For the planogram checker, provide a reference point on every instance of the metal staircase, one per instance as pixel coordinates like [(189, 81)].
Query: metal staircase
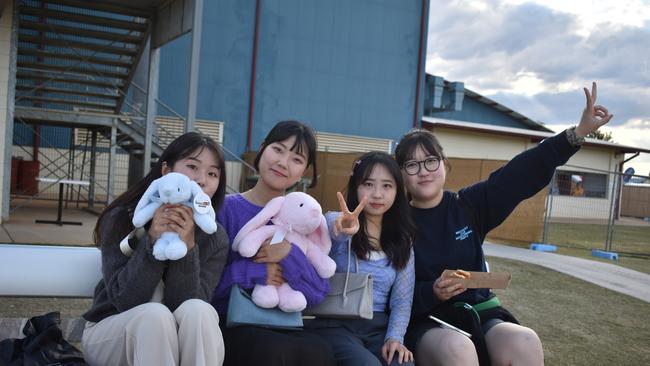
[(76, 60)]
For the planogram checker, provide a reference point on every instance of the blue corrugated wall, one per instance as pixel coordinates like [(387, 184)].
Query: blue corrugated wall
[(343, 66)]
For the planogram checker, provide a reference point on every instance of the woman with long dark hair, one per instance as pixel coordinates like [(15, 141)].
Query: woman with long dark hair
[(284, 157), (151, 312), (380, 233)]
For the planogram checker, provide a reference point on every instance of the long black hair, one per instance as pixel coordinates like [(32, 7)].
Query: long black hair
[(305, 137), (181, 148), (397, 229)]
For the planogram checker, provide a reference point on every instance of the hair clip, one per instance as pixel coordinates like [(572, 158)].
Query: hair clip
[(356, 162)]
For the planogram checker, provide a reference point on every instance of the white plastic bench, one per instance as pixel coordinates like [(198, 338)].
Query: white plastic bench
[(47, 271)]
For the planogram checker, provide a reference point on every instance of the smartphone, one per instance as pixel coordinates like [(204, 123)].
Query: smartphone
[(444, 324)]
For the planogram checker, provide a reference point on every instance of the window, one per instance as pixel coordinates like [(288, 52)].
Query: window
[(580, 184)]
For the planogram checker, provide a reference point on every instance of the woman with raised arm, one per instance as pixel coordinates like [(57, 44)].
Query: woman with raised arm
[(451, 228)]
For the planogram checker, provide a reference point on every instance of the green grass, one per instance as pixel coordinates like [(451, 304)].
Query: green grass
[(579, 323), (631, 239)]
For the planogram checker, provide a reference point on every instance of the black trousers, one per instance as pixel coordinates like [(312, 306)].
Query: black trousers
[(262, 346)]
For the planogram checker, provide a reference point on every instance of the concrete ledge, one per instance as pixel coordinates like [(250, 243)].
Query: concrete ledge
[(72, 328), (543, 247), (603, 254)]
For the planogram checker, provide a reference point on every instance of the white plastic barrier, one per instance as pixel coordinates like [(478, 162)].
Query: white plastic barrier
[(56, 271)]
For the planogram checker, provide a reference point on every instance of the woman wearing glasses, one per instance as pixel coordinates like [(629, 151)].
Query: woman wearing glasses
[(451, 228)]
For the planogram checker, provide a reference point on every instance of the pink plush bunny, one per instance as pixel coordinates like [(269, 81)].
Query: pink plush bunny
[(298, 218)]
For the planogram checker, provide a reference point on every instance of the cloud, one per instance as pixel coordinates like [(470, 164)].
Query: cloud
[(536, 60)]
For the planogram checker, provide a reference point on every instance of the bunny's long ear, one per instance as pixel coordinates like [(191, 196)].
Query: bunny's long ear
[(271, 209), (321, 236), (196, 189), (146, 196)]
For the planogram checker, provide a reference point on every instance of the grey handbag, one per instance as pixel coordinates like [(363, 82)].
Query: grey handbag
[(350, 295)]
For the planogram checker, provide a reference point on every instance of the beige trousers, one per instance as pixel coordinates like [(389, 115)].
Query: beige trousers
[(150, 334)]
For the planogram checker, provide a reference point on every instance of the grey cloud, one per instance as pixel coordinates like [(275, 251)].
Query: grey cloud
[(486, 50)]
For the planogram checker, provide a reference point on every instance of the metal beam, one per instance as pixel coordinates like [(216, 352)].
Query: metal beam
[(80, 93), (111, 164), (9, 121), (194, 65), (75, 57), (83, 18), (99, 47), (133, 68), (80, 32), (93, 168), (107, 107), (94, 5), (152, 108), (58, 78), (81, 70), (64, 118)]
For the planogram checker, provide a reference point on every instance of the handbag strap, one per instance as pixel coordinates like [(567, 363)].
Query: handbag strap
[(347, 274)]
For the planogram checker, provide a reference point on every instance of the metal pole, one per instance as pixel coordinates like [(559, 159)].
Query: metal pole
[(152, 93), (549, 208), (111, 164), (11, 10), (93, 167), (194, 65)]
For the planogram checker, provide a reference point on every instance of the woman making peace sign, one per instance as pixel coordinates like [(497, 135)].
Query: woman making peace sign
[(381, 233)]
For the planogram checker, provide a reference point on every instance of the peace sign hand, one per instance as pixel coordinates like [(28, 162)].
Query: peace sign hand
[(594, 116), (348, 222)]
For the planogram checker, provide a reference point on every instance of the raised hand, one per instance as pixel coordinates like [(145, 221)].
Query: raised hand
[(348, 222), (593, 116)]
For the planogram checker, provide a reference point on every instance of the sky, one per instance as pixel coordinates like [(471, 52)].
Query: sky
[(536, 56)]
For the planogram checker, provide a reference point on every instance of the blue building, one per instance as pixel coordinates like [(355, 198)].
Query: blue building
[(353, 70), (346, 67)]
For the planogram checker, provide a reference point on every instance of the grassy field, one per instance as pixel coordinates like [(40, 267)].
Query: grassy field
[(632, 239), (579, 323)]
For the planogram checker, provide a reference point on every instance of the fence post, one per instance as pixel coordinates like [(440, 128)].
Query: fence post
[(549, 208), (610, 221)]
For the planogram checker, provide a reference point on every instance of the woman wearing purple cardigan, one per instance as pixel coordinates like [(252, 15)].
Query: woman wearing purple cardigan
[(286, 153)]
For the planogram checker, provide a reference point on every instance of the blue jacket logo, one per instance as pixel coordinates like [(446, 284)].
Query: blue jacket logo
[(463, 233)]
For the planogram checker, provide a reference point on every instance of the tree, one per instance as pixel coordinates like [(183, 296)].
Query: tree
[(600, 135)]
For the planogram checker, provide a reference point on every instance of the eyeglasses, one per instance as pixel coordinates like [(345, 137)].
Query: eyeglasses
[(413, 167)]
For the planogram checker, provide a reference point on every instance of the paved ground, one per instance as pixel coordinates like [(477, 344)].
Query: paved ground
[(21, 228), (611, 276)]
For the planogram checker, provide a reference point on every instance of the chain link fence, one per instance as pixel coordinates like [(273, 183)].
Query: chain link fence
[(595, 209)]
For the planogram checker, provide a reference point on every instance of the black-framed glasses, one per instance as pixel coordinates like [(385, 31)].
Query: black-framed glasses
[(413, 167)]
